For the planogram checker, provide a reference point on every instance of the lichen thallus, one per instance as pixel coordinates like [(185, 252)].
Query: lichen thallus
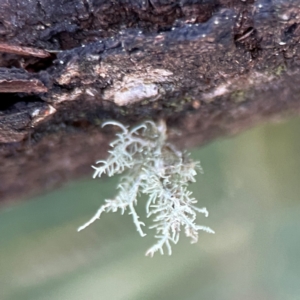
[(156, 168)]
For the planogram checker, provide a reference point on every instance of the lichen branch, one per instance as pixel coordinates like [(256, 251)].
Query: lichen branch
[(161, 171)]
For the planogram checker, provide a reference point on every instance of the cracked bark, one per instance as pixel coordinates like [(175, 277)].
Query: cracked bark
[(210, 68)]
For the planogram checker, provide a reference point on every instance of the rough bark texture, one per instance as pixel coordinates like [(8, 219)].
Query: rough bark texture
[(209, 67)]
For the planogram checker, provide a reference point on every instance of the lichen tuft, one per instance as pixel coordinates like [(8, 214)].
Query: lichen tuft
[(159, 170)]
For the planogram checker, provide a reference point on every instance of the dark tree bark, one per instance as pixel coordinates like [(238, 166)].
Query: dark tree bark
[(209, 67)]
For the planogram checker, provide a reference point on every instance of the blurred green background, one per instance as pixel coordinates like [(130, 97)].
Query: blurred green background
[(251, 187)]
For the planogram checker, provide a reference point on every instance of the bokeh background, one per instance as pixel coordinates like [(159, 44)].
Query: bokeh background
[(251, 187)]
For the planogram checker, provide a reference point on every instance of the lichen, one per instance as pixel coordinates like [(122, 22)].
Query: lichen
[(159, 170), (138, 87)]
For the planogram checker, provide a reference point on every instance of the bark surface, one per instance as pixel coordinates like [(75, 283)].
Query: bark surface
[(209, 67)]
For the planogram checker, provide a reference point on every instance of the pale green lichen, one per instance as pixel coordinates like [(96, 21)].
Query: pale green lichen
[(155, 168)]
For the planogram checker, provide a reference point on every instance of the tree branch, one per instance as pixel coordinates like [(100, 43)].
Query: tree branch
[(211, 68)]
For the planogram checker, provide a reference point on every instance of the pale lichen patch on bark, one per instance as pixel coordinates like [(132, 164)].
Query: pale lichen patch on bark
[(138, 87), (236, 84), (70, 72)]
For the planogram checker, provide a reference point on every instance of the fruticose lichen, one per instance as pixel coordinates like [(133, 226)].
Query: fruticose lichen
[(159, 170)]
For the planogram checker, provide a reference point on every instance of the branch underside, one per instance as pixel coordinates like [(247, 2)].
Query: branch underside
[(211, 68)]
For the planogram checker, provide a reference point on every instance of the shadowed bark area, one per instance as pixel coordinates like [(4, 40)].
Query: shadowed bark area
[(209, 67)]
